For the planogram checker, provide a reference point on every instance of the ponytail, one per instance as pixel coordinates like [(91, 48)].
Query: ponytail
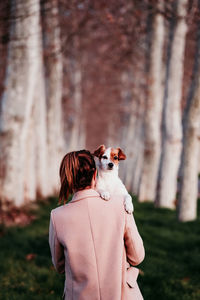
[(76, 171)]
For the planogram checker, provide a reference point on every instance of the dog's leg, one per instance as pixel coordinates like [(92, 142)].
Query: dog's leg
[(128, 204), (104, 194), (101, 189)]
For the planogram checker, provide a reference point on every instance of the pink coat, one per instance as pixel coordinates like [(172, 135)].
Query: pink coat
[(91, 240)]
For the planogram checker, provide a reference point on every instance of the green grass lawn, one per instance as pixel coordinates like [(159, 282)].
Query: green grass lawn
[(171, 269)]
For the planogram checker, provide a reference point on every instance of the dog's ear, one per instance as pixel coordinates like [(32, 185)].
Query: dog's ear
[(99, 151), (121, 154)]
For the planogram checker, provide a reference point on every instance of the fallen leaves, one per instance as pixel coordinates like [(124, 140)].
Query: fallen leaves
[(30, 256)]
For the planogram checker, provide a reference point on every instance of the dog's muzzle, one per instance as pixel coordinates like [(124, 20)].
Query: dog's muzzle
[(110, 165)]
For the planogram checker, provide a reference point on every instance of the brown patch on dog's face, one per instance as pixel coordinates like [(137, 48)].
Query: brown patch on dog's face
[(99, 151), (114, 157), (121, 154), (117, 154)]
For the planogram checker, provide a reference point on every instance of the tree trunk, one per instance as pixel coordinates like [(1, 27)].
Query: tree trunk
[(132, 131), (43, 185), (187, 204), (189, 178), (30, 163), (77, 99), (75, 135), (127, 127), (152, 144), (54, 77), (172, 143), (18, 98), (135, 172)]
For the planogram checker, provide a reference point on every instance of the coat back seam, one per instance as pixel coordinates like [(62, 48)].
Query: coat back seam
[(94, 250)]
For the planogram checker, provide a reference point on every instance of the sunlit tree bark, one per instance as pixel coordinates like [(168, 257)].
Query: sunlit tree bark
[(172, 115), (153, 113), (77, 99), (75, 124), (188, 189), (43, 186), (17, 99), (30, 163), (189, 178), (54, 74)]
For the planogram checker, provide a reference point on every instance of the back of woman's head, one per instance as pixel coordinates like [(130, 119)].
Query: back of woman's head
[(76, 171)]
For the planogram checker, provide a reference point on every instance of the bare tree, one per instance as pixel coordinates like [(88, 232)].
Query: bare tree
[(153, 112), (43, 185), (54, 87), (74, 118), (75, 133), (172, 144), (17, 100), (30, 163), (189, 178), (187, 204), (131, 132)]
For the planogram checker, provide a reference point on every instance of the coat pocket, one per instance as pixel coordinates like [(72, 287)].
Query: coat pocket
[(131, 276)]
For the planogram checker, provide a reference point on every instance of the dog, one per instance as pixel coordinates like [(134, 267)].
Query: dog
[(108, 182)]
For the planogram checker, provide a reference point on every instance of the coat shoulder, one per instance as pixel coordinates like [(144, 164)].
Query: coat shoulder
[(58, 210)]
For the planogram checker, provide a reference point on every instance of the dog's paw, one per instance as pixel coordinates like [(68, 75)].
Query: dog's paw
[(105, 195), (128, 204)]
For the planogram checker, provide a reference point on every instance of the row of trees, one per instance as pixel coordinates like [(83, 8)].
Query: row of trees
[(171, 134), (31, 140), (81, 73)]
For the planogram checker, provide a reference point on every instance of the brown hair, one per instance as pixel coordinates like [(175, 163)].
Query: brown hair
[(76, 171)]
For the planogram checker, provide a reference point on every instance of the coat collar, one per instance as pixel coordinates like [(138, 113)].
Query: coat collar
[(86, 193)]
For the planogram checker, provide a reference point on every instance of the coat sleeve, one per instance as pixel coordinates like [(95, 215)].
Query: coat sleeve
[(133, 242), (57, 250)]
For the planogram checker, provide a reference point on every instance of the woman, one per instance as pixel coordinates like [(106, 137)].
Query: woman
[(93, 241)]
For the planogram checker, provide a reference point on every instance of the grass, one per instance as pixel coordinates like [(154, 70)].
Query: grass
[(172, 264), (171, 269)]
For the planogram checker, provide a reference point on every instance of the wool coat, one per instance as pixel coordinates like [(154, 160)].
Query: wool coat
[(96, 244)]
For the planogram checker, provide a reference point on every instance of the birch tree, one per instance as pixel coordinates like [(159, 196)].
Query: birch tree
[(153, 113), (172, 143), (18, 96), (54, 84)]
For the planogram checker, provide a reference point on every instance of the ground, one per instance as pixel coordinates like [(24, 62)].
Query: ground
[(171, 269)]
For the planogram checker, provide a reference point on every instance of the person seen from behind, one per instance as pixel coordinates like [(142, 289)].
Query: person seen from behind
[(92, 240)]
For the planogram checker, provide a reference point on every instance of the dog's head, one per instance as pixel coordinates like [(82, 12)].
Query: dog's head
[(109, 157)]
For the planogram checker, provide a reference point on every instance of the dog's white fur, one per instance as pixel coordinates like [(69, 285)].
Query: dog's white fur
[(108, 181)]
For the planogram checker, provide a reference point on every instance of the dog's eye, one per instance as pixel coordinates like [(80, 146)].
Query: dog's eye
[(115, 157), (104, 157)]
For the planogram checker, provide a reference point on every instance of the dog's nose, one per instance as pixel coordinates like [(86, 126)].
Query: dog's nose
[(110, 165)]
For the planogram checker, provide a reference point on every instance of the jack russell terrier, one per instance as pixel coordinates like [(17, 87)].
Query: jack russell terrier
[(108, 180)]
